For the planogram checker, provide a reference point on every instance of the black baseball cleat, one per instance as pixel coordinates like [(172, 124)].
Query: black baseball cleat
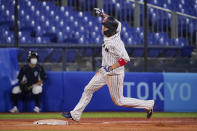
[(67, 115), (149, 113)]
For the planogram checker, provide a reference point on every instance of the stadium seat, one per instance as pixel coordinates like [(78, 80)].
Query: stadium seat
[(44, 22), (43, 54), (70, 55), (170, 52), (186, 51), (153, 52), (139, 52), (39, 40), (56, 55)]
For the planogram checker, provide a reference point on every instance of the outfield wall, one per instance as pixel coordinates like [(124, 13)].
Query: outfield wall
[(174, 92), (62, 90)]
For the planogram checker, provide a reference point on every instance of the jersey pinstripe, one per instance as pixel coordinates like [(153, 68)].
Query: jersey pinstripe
[(113, 49)]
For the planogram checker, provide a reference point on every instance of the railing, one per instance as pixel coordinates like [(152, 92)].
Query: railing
[(88, 58)]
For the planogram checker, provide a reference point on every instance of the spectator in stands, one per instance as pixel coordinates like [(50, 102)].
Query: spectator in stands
[(30, 80)]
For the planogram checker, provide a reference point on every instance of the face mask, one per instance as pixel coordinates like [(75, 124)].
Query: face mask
[(33, 61)]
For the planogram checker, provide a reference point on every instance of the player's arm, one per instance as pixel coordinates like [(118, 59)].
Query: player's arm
[(39, 82), (42, 76), (105, 15), (119, 63), (20, 76), (100, 12), (123, 57), (23, 84)]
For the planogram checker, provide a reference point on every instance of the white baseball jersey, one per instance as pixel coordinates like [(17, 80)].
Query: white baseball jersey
[(112, 49)]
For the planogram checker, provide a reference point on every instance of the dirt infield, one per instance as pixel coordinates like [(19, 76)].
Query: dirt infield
[(107, 124)]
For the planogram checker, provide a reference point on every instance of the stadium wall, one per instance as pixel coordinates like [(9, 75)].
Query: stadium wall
[(173, 92)]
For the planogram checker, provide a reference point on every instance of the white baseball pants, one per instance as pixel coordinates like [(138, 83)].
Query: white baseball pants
[(36, 89), (115, 85)]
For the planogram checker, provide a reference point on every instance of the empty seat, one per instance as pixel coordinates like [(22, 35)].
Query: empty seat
[(70, 55)]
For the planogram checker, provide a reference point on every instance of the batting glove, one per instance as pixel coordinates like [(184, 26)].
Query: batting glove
[(99, 12), (107, 68)]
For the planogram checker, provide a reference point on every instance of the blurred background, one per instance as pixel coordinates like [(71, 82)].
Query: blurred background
[(67, 35)]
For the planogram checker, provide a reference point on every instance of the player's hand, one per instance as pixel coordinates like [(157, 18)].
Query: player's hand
[(30, 87), (25, 88), (107, 68), (99, 12)]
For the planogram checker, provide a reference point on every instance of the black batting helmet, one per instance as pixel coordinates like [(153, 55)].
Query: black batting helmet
[(32, 54), (111, 24)]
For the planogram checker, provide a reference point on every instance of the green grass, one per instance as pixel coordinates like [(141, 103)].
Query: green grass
[(137, 114), (98, 115)]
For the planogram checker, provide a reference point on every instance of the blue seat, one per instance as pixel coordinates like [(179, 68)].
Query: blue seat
[(23, 54), (170, 53), (39, 31), (7, 36), (60, 37), (139, 52), (154, 52), (88, 52), (81, 27), (130, 41), (25, 39), (38, 40), (70, 55), (186, 51), (56, 55), (43, 53), (181, 42), (70, 39), (10, 40), (151, 38), (46, 39)]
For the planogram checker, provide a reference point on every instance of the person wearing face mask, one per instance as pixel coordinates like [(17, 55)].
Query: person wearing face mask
[(30, 80)]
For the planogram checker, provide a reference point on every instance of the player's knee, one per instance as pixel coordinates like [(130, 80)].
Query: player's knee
[(16, 90), (36, 89), (88, 90), (118, 103)]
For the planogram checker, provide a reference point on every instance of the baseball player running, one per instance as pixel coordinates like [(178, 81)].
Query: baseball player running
[(114, 58)]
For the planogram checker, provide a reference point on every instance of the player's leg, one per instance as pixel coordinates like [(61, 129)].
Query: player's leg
[(115, 85), (37, 90), (15, 94), (95, 83)]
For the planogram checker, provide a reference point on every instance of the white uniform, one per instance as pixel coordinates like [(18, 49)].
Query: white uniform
[(36, 89), (112, 50)]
